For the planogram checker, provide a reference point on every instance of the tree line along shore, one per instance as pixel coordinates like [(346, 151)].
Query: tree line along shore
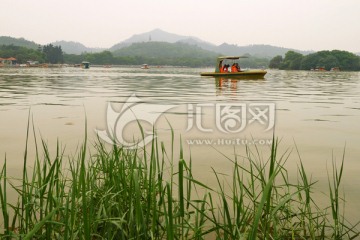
[(53, 56), (335, 60)]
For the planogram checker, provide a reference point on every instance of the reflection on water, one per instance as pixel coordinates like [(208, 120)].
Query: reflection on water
[(230, 85), (319, 111)]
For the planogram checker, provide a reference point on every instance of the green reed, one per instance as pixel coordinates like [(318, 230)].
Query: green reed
[(146, 193)]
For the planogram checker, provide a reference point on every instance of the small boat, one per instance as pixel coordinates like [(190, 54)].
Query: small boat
[(145, 66), (335, 69), (85, 65), (222, 69), (320, 69)]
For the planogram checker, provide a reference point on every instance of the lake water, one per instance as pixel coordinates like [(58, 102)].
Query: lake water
[(319, 112)]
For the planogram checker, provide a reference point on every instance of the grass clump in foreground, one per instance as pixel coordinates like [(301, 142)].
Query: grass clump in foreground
[(147, 194)]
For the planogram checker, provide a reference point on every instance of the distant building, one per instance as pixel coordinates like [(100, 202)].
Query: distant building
[(12, 60), (7, 61)]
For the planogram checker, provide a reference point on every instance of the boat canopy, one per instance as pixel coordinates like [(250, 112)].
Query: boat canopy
[(85, 64), (222, 58), (231, 57)]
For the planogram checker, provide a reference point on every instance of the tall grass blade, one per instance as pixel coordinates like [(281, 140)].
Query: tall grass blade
[(40, 224)]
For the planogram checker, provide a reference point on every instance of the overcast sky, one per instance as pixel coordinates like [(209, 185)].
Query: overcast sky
[(304, 24)]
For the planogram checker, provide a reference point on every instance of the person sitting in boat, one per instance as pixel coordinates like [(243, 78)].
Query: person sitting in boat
[(221, 67), (234, 68), (238, 67), (226, 68)]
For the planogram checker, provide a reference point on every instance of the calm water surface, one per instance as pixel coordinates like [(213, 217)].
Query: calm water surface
[(317, 111)]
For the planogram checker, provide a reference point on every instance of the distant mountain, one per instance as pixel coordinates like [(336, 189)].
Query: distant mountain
[(267, 51), (157, 35), (200, 43), (175, 54), (71, 47), (68, 47), (18, 42), (164, 50)]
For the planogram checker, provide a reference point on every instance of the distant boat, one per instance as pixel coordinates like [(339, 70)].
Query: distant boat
[(85, 65), (320, 69), (144, 66), (223, 65), (335, 69)]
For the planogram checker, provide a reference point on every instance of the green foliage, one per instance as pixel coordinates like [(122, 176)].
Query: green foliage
[(73, 58), (344, 60), (53, 54), (159, 53), (153, 53), (118, 193), (276, 62), (22, 54), (292, 61), (104, 57), (164, 50), (310, 61), (162, 53)]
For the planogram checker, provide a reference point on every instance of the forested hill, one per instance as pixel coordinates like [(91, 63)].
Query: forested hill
[(71, 47), (164, 50), (258, 50), (158, 35), (21, 42), (164, 53), (345, 61)]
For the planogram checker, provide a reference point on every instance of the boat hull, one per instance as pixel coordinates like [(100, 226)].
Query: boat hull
[(250, 73)]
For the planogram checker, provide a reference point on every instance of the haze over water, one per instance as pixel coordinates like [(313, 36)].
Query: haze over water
[(317, 111)]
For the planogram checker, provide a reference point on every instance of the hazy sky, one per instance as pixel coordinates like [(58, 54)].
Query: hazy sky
[(304, 24)]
